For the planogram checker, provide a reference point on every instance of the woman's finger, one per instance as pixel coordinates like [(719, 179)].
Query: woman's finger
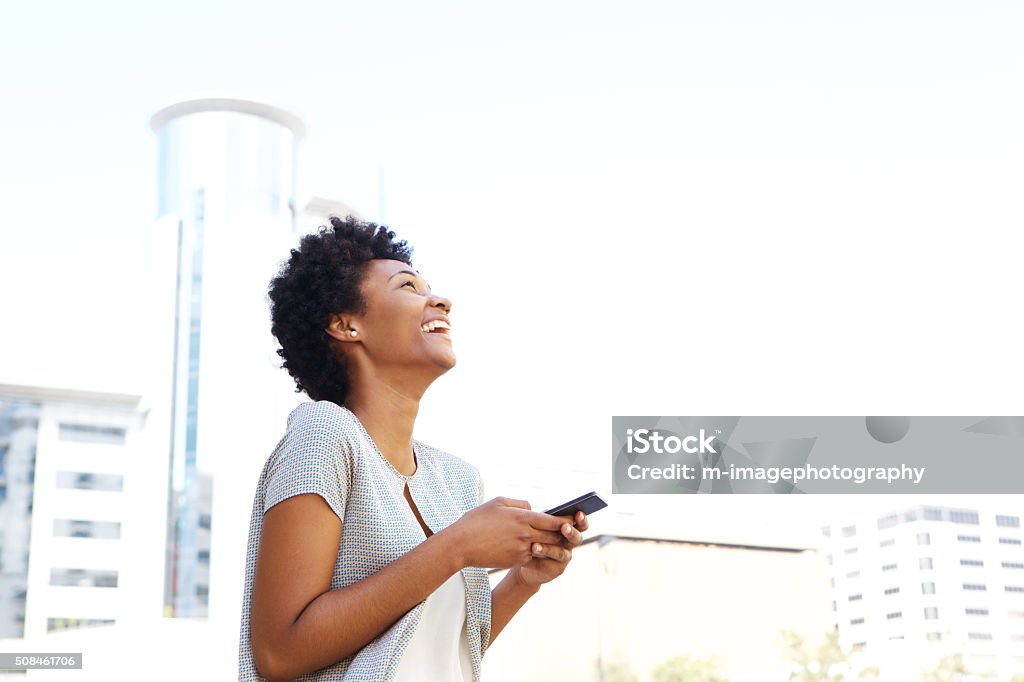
[(581, 521), (572, 535), (552, 552)]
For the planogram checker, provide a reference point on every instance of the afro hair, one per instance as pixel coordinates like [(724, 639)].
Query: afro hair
[(321, 278)]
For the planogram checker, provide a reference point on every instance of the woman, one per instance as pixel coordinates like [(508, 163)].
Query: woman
[(367, 547)]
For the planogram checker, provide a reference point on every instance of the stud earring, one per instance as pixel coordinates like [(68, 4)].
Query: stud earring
[(352, 332)]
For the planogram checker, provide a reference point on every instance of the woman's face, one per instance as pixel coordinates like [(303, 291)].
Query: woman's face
[(398, 305)]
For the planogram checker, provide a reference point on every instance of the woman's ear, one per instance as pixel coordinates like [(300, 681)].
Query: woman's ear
[(343, 328)]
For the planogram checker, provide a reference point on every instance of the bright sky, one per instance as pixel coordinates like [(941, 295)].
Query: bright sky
[(637, 208)]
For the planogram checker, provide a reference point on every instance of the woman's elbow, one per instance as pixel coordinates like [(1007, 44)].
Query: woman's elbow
[(269, 663)]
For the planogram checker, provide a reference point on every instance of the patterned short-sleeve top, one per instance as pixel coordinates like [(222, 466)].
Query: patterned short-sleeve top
[(327, 451)]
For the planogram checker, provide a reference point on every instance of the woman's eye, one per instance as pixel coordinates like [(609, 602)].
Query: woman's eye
[(410, 282)]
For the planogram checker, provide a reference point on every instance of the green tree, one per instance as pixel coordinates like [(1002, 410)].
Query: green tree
[(618, 671), (949, 669), (825, 663), (688, 669)]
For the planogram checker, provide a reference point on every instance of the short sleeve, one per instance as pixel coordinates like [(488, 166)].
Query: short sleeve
[(314, 457), (479, 488)]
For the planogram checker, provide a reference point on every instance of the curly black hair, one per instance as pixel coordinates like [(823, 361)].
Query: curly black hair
[(322, 277)]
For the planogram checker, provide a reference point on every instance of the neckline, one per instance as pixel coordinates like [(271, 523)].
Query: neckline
[(417, 459)]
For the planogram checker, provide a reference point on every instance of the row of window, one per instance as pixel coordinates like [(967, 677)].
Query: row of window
[(91, 433), (90, 481), (56, 624), (84, 528), (926, 539), (977, 538), (927, 563), (929, 588), (962, 516)]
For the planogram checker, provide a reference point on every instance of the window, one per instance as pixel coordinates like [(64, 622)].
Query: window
[(889, 567), (968, 538), (1009, 541), (979, 635), (859, 645), (853, 574), (89, 481), (925, 563), (1008, 521), (91, 433), (84, 528), (82, 577), (888, 521), (203, 555), (856, 621), (1012, 613), (855, 597), (976, 612), (927, 588), (1012, 564), (56, 624), (826, 531), (894, 615), (934, 636), (970, 517), (972, 562), (849, 531), (924, 539), (931, 613), (892, 590), (850, 550), (974, 587), (887, 543), (932, 514), (1014, 588)]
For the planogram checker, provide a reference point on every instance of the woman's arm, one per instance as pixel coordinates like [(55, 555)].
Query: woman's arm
[(298, 623)]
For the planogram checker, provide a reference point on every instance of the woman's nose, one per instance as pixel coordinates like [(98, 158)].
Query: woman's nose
[(442, 302)]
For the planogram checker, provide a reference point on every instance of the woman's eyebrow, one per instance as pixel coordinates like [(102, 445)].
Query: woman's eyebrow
[(414, 274)]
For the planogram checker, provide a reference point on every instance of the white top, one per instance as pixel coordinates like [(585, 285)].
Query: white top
[(439, 649)]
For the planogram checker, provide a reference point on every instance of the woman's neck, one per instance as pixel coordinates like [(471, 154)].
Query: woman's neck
[(388, 415)]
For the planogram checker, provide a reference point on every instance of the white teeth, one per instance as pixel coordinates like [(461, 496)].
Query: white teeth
[(434, 324)]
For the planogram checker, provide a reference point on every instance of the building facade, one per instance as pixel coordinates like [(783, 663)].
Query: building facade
[(226, 218), (77, 511), (927, 581)]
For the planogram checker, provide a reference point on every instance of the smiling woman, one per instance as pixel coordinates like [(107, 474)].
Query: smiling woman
[(367, 547)]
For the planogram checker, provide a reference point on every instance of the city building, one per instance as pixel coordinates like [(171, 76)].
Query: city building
[(627, 604), (79, 499), (927, 581), (226, 218)]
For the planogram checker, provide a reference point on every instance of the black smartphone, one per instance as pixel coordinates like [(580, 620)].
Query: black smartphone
[(588, 503)]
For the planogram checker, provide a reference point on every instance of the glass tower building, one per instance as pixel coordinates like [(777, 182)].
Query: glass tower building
[(226, 215)]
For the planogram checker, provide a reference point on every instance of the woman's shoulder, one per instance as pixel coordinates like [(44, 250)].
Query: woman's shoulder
[(319, 427), (458, 474)]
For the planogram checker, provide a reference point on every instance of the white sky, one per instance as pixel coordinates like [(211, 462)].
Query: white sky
[(677, 208)]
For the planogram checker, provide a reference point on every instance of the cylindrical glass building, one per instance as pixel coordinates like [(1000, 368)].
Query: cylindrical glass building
[(227, 190)]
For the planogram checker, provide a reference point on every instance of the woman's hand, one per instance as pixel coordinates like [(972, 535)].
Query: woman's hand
[(549, 561), (500, 533)]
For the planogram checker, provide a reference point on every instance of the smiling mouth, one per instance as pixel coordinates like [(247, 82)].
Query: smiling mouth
[(436, 327)]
